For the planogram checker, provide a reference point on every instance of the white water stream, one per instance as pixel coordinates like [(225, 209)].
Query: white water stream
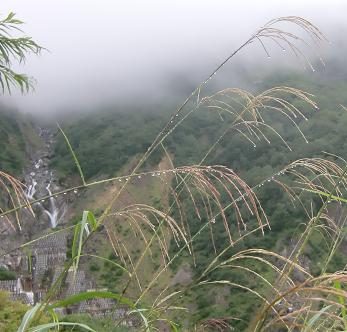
[(40, 182), (54, 211)]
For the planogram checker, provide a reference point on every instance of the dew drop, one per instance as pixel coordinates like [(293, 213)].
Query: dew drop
[(65, 193), (269, 57), (283, 50), (43, 201), (139, 176), (75, 191), (213, 221)]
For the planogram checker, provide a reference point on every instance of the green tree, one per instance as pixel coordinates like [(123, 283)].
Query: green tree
[(14, 49)]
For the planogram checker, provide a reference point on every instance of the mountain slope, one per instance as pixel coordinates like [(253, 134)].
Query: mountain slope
[(17, 138)]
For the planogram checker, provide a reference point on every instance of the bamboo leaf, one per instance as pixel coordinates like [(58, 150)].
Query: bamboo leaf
[(91, 295), (29, 315), (49, 326)]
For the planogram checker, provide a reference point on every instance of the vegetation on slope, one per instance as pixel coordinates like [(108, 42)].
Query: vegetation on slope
[(17, 135), (187, 145), (268, 290)]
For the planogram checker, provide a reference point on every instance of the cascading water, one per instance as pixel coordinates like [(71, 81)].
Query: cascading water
[(32, 187), (19, 287), (54, 211), (30, 297), (41, 181), (19, 290)]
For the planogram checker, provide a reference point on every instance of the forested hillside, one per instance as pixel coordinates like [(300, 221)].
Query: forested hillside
[(106, 140), (17, 138), (167, 181)]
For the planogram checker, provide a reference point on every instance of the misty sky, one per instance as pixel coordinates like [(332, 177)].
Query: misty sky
[(107, 51)]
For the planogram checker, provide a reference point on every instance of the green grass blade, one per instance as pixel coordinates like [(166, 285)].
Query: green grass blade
[(49, 326), (337, 285), (313, 320), (109, 261), (78, 165), (78, 239), (29, 315), (93, 222), (91, 295), (322, 193)]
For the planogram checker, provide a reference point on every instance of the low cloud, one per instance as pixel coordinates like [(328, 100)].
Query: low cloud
[(110, 51)]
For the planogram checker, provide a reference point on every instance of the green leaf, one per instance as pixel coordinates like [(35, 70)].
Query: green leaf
[(29, 315), (93, 222), (337, 286), (91, 295), (78, 239), (322, 193), (49, 326)]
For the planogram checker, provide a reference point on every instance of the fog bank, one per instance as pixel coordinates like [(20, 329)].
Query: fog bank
[(111, 51)]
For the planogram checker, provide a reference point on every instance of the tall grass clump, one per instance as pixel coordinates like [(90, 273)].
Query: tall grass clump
[(287, 296)]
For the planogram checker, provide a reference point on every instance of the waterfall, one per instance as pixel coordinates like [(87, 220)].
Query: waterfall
[(19, 287), (31, 189), (41, 180), (19, 290), (30, 297), (53, 214)]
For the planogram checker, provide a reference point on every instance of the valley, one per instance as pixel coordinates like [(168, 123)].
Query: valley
[(39, 264)]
